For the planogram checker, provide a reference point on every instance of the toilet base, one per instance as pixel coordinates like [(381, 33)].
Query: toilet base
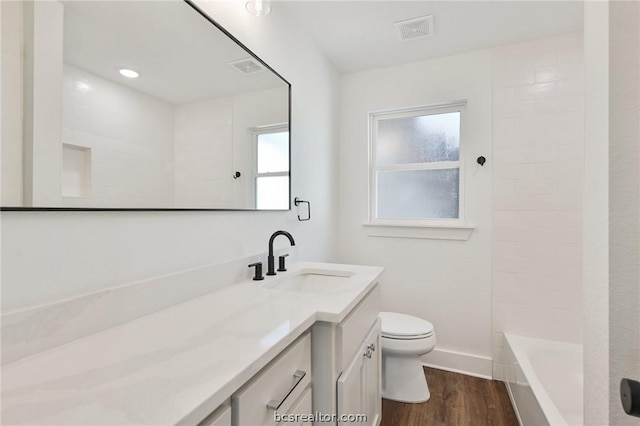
[(403, 379)]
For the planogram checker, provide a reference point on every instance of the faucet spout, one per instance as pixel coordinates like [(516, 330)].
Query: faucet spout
[(270, 259)]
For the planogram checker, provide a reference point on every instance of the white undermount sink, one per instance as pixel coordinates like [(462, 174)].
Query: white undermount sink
[(314, 281)]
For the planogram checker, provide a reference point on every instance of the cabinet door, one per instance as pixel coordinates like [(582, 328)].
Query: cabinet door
[(359, 386), (373, 388), (351, 387)]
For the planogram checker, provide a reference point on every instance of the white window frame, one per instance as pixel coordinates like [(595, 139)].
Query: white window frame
[(264, 130), (373, 221)]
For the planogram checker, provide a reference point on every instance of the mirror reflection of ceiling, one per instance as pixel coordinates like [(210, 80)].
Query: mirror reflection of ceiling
[(189, 68)]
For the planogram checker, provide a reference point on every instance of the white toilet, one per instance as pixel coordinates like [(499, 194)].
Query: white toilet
[(404, 340)]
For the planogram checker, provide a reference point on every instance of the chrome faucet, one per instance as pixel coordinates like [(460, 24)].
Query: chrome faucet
[(270, 259)]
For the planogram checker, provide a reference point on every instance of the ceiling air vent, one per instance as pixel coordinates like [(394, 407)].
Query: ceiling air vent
[(247, 66), (415, 29)]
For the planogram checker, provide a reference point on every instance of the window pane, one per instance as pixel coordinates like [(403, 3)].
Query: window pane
[(273, 152), (272, 193), (422, 139), (418, 194)]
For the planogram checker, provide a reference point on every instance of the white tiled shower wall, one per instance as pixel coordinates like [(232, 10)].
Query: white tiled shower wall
[(152, 153), (538, 155), (130, 135)]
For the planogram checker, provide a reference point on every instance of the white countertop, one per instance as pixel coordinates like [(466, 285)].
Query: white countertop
[(176, 365)]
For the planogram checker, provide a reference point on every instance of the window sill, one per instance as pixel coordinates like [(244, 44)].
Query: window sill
[(458, 232)]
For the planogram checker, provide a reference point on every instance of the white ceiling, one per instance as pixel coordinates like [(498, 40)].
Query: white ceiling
[(103, 36), (180, 55), (360, 35)]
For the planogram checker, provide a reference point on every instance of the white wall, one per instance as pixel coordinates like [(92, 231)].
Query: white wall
[(48, 256), (596, 215), (612, 208), (445, 282), (538, 153), (624, 201), (11, 109), (130, 135), (42, 111)]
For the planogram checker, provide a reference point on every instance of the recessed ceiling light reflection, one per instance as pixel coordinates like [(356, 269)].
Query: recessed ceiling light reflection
[(129, 73), (258, 7)]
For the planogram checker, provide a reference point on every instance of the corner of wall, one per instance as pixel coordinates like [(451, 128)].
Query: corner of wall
[(596, 215)]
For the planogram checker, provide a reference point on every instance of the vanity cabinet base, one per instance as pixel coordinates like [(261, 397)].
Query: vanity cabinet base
[(347, 365)]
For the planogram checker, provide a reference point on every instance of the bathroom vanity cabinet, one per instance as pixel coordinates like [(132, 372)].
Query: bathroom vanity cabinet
[(348, 357), (306, 342), (342, 361)]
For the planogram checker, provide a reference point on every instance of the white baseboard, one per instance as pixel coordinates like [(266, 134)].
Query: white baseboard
[(458, 362)]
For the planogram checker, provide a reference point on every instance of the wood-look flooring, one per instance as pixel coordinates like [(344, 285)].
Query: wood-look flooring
[(456, 399)]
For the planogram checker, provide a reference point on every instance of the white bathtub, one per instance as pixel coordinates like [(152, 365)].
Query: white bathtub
[(545, 380)]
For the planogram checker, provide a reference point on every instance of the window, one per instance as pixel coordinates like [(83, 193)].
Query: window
[(272, 167), (415, 166)]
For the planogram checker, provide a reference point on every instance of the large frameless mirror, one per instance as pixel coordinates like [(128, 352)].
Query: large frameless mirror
[(137, 105)]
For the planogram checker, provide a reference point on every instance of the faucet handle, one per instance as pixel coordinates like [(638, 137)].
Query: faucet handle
[(281, 264), (258, 275)]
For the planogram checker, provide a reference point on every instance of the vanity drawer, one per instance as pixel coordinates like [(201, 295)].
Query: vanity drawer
[(279, 383), (354, 328), (220, 417), (303, 406)]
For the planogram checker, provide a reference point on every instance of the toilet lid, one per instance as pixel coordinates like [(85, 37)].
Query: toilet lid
[(395, 324)]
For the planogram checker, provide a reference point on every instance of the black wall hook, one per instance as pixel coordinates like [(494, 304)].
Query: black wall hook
[(236, 175), (481, 160)]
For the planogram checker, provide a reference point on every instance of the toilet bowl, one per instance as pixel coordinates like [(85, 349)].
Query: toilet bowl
[(405, 339)]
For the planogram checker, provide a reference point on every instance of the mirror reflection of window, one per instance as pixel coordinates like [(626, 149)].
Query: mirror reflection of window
[(272, 167)]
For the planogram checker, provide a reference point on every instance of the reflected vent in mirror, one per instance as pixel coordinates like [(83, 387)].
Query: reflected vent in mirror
[(247, 66), (415, 29)]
